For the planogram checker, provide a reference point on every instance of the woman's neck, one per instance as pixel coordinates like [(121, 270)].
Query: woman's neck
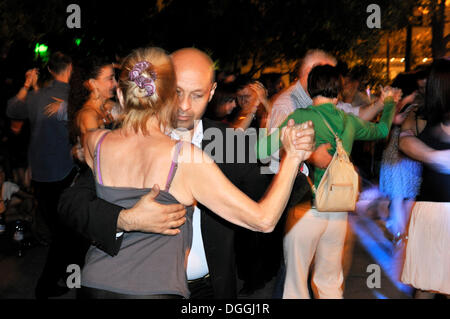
[(153, 127), (318, 100), (97, 103)]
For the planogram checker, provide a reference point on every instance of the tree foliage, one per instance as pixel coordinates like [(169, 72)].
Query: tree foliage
[(234, 32)]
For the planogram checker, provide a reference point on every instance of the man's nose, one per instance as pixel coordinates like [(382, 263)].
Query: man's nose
[(184, 103)]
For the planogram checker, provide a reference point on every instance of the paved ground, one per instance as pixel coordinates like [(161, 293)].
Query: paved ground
[(366, 245)]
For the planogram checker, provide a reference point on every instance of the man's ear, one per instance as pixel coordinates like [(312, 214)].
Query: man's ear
[(212, 91), (69, 71)]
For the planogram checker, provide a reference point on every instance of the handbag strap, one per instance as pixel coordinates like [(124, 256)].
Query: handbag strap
[(338, 142), (326, 123)]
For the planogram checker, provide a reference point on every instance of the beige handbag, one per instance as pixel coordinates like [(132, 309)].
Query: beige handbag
[(339, 187)]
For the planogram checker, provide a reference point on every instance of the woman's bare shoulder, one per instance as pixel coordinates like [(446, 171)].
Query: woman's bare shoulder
[(93, 136), (191, 154)]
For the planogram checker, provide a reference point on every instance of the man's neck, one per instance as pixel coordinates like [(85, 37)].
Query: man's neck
[(61, 78), (185, 135)]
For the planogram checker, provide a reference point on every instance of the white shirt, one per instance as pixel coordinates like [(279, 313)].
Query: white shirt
[(197, 266), (8, 189)]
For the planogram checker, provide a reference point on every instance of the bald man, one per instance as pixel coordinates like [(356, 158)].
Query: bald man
[(211, 263), (296, 96)]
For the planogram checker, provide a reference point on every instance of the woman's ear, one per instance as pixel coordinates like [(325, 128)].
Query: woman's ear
[(120, 97), (91, 84)]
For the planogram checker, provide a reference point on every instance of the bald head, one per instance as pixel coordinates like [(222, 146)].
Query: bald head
[(194, 71), (311, 59), (194, 60)]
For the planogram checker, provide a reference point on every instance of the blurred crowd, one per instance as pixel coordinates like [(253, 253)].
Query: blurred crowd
[(41, 153)]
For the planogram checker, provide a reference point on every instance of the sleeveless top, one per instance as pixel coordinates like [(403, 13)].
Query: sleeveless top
[(147, 263), (435, 186)]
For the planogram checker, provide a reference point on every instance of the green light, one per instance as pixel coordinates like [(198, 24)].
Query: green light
[(43, 48), (40, 48), (78, 41)]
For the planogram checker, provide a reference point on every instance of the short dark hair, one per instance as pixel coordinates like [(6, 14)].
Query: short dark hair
[(405, 81), (358, 73), (324, 80), (59, 62), (225, 92)]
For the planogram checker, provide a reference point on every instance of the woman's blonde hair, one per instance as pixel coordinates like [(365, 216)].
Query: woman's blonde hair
[(139, 106)]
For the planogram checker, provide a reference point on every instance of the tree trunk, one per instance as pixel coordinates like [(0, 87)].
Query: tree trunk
[(438, 45), (388, 72), (408, 48)]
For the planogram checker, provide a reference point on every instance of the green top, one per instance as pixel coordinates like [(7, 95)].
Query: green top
[(346, 126)]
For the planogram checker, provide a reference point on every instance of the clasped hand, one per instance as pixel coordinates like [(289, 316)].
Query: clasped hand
[(299, 139)]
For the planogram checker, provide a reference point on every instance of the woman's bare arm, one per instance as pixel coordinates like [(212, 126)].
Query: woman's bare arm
[(418, 150), (208, 185)]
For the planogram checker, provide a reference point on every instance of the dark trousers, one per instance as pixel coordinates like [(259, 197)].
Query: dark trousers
[(47, 195), (93, 293), (201, 288), (66, 246)]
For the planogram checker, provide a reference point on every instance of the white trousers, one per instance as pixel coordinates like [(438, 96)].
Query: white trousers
[(314, 235)]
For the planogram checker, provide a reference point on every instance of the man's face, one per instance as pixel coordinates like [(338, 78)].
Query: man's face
[(195, 89), (349, 89), (246, 97)]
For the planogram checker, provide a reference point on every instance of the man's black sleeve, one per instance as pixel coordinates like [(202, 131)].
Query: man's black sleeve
[(96, 219)]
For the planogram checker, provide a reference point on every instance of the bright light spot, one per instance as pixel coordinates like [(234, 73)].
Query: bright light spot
[(78, 41), (40, 48), (43, 48), (425, 60), (393, 59), (402, 60)]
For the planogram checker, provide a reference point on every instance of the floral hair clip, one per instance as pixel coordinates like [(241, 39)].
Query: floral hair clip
[(143, 82)]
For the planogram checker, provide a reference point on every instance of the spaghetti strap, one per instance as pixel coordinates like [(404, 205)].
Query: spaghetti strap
[(174, 165), (97, 172)]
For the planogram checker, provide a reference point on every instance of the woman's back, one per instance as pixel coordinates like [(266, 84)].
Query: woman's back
[(147, 263), (134, 160)]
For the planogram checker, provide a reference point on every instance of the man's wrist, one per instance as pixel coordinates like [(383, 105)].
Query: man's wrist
[(294, 158), (123, 221)]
